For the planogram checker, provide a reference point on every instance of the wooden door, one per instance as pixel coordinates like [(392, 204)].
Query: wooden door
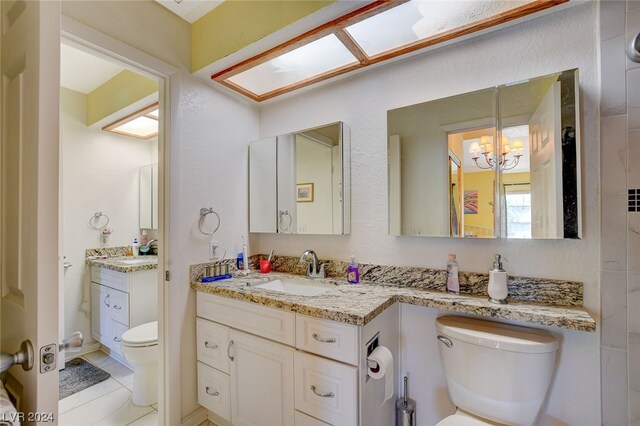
[(30, 44), (546, 167), (261, 381)]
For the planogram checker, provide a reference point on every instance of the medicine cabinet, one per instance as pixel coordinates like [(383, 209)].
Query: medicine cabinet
[(300, 183), (149, 196), (501, 162)]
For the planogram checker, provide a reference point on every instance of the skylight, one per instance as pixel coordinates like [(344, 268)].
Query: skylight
[(142, 124), (374, 33)]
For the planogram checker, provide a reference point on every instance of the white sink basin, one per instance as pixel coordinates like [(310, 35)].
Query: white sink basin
[(296, 287), (134, 261)]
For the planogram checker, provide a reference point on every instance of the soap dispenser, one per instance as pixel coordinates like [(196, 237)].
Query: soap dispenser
[(498, 290)]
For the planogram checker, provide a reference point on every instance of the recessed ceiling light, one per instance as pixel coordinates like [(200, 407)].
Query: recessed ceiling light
[(142, 124)]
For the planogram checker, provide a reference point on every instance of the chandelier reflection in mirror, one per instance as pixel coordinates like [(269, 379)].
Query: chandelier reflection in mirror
[(508, 158)]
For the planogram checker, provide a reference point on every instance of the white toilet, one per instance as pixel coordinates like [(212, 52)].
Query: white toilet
[(140, 347), (496, 373)]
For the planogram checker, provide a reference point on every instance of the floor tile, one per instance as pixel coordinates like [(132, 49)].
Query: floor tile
[(120, 373), (112, 409), (99, 359), (89, 394), (150, 419)]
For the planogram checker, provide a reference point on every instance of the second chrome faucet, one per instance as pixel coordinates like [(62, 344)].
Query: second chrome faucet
[(312, 267)]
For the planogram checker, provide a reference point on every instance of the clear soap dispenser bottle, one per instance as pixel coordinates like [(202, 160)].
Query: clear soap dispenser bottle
[(498, 290)]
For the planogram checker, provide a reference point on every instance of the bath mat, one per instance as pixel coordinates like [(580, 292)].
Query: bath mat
[(78, 375)]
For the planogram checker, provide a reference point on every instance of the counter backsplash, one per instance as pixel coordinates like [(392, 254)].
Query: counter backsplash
[(538, 290)]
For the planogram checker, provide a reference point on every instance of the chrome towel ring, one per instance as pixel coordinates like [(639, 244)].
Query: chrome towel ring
[(95, 220), (633, 48), (284, 227), (203, 215)]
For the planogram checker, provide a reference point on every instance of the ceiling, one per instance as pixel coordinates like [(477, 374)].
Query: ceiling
[(190, 10), (83, 72)]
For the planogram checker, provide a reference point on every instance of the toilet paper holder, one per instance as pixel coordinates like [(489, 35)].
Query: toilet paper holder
[(373, 365), (371, 345)]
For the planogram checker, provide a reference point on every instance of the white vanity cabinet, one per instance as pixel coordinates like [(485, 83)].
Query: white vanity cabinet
[(264, 366), (120, 301)]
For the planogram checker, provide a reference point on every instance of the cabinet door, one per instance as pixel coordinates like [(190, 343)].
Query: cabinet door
[(261, 381), (99, 313)]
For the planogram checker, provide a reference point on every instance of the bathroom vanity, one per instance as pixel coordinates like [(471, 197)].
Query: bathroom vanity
[(124, 293), (261, 365)]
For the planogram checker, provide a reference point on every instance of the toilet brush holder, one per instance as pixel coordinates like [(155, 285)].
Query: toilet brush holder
[(405, 408)]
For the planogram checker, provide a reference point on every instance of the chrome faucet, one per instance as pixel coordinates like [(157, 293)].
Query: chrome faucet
[(145, 249), (312, 268)]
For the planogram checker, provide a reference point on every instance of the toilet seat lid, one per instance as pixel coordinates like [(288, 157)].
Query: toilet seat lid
[(143, 334), (461, 420)]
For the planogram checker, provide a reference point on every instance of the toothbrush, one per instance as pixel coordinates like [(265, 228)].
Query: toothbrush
[(270, 256)]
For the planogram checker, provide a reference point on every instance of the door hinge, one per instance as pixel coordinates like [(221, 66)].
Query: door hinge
[(167, 275)]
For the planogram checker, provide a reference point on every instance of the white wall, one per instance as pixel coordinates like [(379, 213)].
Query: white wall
[(100, 172), (208, 169), (552, 43)]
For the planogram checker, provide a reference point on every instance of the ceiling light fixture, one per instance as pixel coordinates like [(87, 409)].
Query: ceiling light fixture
[(485, 147), (142, 124), (379, 31)]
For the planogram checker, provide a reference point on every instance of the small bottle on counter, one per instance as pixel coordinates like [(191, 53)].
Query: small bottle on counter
[(453, 283), (353, 271), (135, 247)]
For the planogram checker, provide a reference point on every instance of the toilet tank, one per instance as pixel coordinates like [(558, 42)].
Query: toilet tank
[(495, 371)]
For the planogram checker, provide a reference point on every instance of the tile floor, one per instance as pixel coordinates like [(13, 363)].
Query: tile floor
[(107, 403)]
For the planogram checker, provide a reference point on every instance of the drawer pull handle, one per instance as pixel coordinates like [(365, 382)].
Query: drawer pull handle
[(447, 342), (322, 395), (117, 307), (323, 339), (229, 350), (208, 346), (106, 300), (117, 339), (216, 393)]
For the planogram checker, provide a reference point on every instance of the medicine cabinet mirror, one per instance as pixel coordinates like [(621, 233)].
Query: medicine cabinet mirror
[(149, 196), (300, 183), (501, 162)]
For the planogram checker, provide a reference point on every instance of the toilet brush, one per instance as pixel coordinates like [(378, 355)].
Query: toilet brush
[(405, 408)]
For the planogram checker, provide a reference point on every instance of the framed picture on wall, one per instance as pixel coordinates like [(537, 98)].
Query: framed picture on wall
[(471, 202), (304, 193)]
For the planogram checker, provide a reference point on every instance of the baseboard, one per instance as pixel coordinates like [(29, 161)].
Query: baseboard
[(87, 348), (196, 418)]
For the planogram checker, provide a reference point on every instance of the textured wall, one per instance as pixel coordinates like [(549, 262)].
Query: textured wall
[(548, 44)]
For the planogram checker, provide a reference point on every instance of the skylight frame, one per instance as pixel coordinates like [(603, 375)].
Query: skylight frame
[(337, 27), (144, 112)]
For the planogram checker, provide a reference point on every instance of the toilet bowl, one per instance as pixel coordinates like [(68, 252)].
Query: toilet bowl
[(497, 374), (140, 348)]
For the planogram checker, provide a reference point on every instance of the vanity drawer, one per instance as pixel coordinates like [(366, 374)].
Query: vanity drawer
[(265, 322), (212, 340), (110, 278), (327, 338), (115, 339), (326, 390), (119, 306), (304, 420), (214, 391)]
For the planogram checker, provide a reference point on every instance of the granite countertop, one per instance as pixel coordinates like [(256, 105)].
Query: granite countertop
[(125, 263), (359, 304)]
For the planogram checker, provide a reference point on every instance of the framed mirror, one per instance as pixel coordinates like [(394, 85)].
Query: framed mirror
[(500, 162), (299, 183)]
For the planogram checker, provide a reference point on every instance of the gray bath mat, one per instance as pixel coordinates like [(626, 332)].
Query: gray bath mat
[(78, 375)]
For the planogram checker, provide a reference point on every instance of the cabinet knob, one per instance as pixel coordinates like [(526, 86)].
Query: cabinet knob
[(322, 395), (208, 391), (117, 307), (117, 339), (208, 346), (323, 339)]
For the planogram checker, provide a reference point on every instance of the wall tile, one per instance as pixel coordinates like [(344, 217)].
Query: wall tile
[(633, 118), (614, 309), (613, 100), (612, 19), (633, 242), (634, 361), (614, 154), (633, 28), (634, 408), (633, 82), (633, 302), (614, 232), (633, 159), (633, 4), (614, 387)]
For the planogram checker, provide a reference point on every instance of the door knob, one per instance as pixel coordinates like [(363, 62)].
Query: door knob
[(72, 343), (24, 357)]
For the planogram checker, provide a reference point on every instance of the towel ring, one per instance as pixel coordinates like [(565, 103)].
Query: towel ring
[(95, 218), (203, 215), (282, 214)]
